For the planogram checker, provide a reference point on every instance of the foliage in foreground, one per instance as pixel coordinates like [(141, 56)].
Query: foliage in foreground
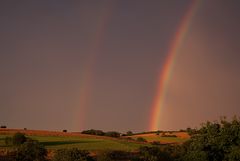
[(25, 149), (214, 141), (153, 154), (31, 151), (16, 140), (72, 155), (111, 155)]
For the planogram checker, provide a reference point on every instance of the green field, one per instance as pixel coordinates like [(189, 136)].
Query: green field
[(92, 144)]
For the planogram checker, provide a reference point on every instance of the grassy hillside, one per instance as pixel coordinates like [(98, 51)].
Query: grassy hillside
[(59, 140), (91, 143)]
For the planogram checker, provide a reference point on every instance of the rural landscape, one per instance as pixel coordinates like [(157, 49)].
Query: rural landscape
[(219, 140), (119, 80)]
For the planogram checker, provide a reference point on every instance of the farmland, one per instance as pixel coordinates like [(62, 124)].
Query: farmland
[(59, 140), (179, 137)]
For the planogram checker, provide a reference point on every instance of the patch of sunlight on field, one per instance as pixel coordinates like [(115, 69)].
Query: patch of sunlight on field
[(161, 139), (59, 142)]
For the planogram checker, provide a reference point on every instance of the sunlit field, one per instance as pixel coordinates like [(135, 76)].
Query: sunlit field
[(162, 139), (92, 144)]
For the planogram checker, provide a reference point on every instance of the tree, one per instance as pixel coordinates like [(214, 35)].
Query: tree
[(112, 134), (153, 154), (196, 156), (214, 141), (8, 140), (129, 133), (113, 155), (93, 132), (18, 139), (141, 139), (31, 150), (72, 155), (234, 155)]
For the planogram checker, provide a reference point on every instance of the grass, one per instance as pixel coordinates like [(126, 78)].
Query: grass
[(91, 144), (154, 137), (2, 140)]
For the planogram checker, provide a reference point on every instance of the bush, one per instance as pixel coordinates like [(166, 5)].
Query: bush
[(141, 139), (101, 133), (156, 143), (31, 151), (93, 132), (72, 155), (3, 127), (153, 154), (64, 130), (112, 134), (234, 155), (196, 156), (8, 140), (214, 141), (18, 139), (129, 133), (191, 131), (113, 156)]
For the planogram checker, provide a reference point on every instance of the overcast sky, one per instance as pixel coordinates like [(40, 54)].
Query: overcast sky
[(94, 64)]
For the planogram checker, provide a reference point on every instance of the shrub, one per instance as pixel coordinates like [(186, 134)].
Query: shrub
[(18, 139), (156, 143), (93, 132), (31, 151), (72, 155), (234, 155), (64, 130), (112, 134), (113, 156), (141, 139), (3, 127), (191, 131), (129, 133), (8, 140), (214, 141), (196, 156), (153, 154)]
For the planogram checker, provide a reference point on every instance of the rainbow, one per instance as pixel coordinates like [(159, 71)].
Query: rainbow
[(166, 70), (88, 68)]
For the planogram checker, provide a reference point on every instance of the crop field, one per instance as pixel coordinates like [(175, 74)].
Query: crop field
[(59, 140), (84, 143), (180, 138)]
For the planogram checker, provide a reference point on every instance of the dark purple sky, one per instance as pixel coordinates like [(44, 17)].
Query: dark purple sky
[(94, 64)]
